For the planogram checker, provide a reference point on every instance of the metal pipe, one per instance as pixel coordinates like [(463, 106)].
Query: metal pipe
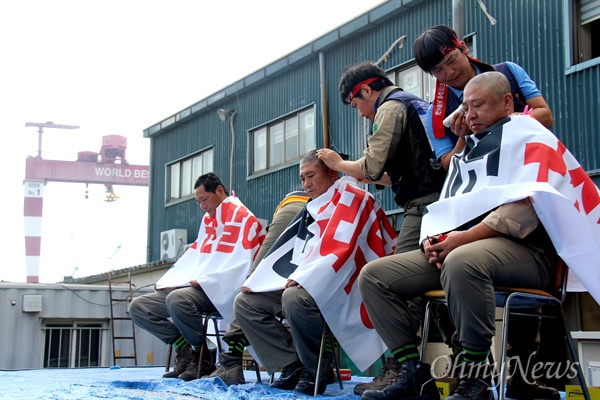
[(324, 108), (458, 18)]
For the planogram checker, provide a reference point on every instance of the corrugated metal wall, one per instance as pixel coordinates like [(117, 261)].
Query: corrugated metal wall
[(528, 32), (23, 337)]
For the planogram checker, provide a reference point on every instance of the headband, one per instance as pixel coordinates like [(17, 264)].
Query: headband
[(445, 50), (357, 87)]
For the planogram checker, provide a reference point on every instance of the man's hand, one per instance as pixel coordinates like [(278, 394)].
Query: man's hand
[(195, 284), (384, 181), (331, 158), (246, 290), (291, 282), (458, 125)]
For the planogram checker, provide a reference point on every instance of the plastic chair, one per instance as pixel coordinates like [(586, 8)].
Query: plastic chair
[(521, 302)]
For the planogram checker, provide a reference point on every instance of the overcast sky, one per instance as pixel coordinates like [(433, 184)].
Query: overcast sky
[(118, 67)]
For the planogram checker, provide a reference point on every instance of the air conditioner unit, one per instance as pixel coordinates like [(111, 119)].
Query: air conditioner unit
[(172, 244)]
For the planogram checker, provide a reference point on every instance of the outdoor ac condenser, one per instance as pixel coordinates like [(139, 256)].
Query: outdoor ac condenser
[(172, 243)]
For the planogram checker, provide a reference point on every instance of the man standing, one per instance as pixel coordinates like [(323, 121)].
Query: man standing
[(439, 52), (173, 313), (398, 151)]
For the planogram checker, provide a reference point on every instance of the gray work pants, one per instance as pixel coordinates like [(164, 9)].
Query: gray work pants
[(468, 277), (408, 237), (169, 314), (280, 222), (260, 317)]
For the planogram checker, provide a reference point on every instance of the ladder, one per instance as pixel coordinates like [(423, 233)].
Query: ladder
[(113, 319)]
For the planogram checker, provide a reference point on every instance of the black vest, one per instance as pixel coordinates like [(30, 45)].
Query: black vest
[(413, 169)]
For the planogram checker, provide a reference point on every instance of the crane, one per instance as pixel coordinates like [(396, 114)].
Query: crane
[(48, 124), (90, 167)]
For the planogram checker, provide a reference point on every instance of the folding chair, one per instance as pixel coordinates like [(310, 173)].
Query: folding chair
[(215, 317), (327, 336), (521, 302)]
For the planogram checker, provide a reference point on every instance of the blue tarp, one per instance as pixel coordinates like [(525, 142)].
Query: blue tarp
[(144, 383)]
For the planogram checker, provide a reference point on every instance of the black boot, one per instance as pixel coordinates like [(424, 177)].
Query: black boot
[(522, 383), (413, 381), (475, 381), (307, 382), (289, 377), (182, 357)]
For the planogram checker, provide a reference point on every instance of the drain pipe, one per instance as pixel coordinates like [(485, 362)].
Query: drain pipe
[(458, 18), (324, 108)]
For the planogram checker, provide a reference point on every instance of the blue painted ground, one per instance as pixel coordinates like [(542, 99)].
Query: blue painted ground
[(143, 383)]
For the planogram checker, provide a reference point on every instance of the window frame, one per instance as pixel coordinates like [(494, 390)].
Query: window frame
[(197, 165), (74, 330), (568, 22), (285, 160)]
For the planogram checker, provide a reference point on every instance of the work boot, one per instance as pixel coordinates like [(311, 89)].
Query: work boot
[(412, 380), (230, 370), (386, 374), (207, 365), (523, 385), (182, 356), (289, 377), (475, 381), (472, 389), (307, 382)]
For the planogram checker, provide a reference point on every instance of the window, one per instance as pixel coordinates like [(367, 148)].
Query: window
[(282, 141), (182, 175), (74, 344), (414, 80), (584, 31)]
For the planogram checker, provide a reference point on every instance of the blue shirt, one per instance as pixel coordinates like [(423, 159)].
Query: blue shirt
[(445, 145)]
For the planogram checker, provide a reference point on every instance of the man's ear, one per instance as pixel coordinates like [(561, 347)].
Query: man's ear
[(508, 101)]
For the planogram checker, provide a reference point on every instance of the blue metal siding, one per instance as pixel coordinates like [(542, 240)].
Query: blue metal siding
[(528, 32)]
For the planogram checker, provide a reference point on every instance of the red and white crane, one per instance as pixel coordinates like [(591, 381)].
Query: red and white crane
[(89, 167)]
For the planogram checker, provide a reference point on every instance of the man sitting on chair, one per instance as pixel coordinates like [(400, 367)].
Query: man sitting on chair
[(487, 230), (204, 280), (230, 368), (307, 262)]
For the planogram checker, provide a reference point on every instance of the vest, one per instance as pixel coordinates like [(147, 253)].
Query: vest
[(413, 168)]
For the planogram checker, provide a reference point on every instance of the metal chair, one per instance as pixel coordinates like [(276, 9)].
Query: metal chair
[(327, 336), (525, 302), (214, 317)]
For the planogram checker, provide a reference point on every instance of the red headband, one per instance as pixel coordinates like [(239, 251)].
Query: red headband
[(445, 50), (357, 87)]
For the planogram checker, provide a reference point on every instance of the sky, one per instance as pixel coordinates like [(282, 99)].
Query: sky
[(117, 67)]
